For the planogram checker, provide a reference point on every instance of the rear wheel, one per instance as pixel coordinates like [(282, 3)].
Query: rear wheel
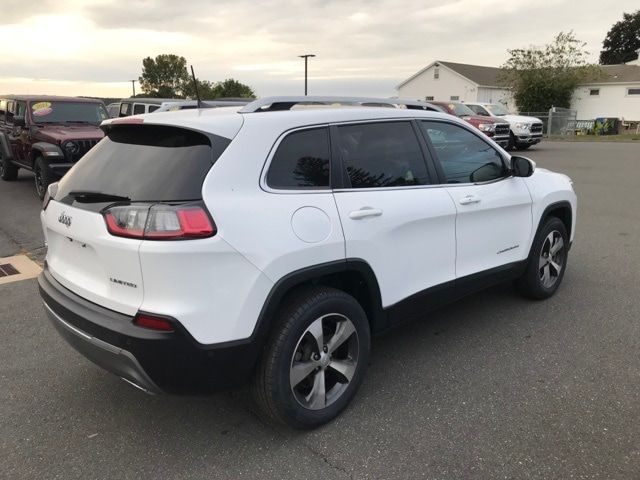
[(43, 176), (8, 171), (315, 360), (547, 261)]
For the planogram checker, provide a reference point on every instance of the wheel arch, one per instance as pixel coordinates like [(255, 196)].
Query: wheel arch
[(561, 210), (353, 276), (45, 150), (5, 147)]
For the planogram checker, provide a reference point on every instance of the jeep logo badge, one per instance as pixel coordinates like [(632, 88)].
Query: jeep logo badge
[(65, 219)]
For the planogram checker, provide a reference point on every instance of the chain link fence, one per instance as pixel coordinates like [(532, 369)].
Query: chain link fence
[(557, 121)]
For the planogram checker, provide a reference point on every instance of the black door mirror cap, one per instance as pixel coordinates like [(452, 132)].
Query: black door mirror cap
[(522, 166)]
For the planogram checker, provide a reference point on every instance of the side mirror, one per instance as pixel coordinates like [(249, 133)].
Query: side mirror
[(522, 166), (19, 122)]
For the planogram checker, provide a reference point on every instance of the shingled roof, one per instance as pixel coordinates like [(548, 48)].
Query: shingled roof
[(490, 76)]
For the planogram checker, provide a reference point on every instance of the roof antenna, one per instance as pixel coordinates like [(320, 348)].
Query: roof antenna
[(195, 85)]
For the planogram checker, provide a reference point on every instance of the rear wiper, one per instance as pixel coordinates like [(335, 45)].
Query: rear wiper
[(88, 196)]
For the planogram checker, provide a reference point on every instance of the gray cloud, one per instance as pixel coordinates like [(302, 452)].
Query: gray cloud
[(361, 46)]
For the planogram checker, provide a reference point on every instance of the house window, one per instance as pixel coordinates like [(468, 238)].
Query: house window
[(633, 91), (454, 98), (436, 73), (429, 98), (594, 92)]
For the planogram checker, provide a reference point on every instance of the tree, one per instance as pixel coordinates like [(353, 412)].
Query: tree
[(622, 41), (206, 89), (233, 88), (542, 77), (164, 76)]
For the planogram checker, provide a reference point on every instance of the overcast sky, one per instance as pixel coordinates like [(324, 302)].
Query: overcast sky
[(366, 47)]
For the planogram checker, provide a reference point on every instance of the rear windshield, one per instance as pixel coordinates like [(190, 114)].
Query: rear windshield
[(145, 163)]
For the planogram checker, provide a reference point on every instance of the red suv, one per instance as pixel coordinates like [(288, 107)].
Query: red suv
[(496, 129), (47, 135)]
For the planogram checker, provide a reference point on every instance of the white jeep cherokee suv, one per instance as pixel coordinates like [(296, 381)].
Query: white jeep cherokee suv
[(525, 131), (197, 250)]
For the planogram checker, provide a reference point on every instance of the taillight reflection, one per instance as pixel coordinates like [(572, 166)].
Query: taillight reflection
[(159, 221)]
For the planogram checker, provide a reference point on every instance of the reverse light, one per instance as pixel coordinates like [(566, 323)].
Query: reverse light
[(159, 221), (152, 322)]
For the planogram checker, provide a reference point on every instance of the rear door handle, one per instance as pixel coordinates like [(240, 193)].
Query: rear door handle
[(469, 199), (365, 212)]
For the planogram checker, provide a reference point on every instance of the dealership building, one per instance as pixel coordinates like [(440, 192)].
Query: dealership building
[(615, 94)]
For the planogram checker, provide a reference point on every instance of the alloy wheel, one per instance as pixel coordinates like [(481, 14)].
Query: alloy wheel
[(551, 259), (324, 361)]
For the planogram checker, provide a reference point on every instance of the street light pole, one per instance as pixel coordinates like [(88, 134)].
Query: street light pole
[(133, 85), (306, 58)]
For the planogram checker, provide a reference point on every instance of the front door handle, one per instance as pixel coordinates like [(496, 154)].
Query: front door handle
[(365, 212), (469, 199)]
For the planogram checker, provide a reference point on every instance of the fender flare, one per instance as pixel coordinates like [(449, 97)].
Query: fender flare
[(545, 213), (48, 150)]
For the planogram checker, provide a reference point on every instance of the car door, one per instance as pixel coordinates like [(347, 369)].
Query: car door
[(18, 136), (391, 214), (494, 220)]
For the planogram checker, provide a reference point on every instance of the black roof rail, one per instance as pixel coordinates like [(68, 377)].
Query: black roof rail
[(271, 104)]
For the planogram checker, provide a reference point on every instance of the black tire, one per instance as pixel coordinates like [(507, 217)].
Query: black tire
[(523, 146), (8, 171), (43, 176), (272, 388), (532, 284), (512, 142)]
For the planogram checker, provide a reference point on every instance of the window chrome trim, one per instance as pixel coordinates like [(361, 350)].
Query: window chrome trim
[(274, 148)]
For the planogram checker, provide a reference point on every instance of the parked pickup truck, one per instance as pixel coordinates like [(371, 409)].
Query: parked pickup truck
[(525, 131), (47, 135), (498, 130)]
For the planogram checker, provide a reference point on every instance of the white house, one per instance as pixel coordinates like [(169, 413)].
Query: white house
[(616, 94)]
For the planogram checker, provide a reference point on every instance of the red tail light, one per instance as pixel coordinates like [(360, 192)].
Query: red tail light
[(154, 323), (159, 221)]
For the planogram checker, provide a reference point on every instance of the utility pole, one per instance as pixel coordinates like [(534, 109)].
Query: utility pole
[(306, 58), (133, 86)]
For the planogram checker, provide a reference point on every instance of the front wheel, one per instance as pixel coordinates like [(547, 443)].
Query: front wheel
[(43, 176), (523, 146), (547, 261), (315, 360)]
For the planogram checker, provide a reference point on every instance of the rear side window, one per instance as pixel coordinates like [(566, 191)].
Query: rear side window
[(146, 163), (301, 161), (382, 155), (125, 109), (138, 108), (153, 108)]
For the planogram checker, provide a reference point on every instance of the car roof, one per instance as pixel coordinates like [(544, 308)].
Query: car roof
[(227, 121), (50, 98)]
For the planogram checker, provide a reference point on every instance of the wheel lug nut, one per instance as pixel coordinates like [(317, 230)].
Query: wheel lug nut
[(325, 349), (316, 356)]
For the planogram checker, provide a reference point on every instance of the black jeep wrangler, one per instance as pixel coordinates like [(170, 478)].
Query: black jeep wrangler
[(46, 135)]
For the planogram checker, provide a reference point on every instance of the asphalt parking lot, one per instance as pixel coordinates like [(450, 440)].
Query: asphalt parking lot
[(492, 387)]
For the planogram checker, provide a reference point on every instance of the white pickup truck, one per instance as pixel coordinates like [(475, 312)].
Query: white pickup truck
[(525, 131)]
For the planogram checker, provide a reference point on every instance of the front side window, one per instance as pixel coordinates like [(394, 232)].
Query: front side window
[(301, 161), (382, 155), (463, 157)]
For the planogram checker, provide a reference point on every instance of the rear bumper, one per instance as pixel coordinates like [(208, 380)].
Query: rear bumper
[(154, 361)]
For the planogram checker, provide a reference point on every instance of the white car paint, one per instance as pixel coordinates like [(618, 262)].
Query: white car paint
[(520, 124), (414, 238)]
